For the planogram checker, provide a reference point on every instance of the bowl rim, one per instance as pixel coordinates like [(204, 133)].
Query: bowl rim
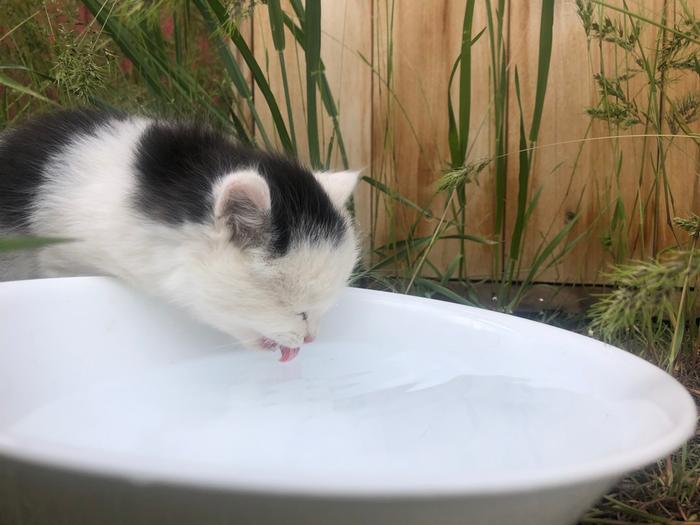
[(128, 467)]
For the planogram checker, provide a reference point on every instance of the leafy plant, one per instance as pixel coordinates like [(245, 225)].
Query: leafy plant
[(146, 54), (654, 302), (637, 99)]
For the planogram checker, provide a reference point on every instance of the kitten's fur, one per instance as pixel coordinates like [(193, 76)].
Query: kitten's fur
[(248, 242)]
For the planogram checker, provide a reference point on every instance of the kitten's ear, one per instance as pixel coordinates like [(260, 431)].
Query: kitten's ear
[(242, 203), (339, 185)]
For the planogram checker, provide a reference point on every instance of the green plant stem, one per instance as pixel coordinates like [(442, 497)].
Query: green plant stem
[(646, 20), (499, 79), (434, 237), (679, 325), (312, 46), (276, 18), (288, 102)]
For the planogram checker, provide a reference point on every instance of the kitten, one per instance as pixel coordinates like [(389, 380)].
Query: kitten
[(248, 242)]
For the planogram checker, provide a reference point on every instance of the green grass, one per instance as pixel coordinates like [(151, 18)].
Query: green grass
[(173, 74), (8, 244)]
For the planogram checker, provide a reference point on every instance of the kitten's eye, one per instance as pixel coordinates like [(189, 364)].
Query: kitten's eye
[(303, 316)]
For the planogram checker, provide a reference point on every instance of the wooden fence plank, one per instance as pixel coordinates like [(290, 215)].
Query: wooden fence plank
[(346, 31), (569, 171), (388, 63), (415, 48), (681, 195)]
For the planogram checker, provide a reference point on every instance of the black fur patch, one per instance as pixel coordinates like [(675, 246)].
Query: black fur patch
[(25, 150), (177, 165)]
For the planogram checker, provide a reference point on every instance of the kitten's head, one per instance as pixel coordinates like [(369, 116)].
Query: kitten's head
[(281, 248)]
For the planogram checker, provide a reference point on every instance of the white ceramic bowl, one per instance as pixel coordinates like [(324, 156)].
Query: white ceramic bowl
[(115, 408)]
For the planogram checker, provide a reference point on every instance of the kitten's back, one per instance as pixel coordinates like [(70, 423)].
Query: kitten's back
[(26, 150)]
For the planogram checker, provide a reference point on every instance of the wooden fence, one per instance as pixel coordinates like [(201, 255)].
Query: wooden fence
[(397, 131)]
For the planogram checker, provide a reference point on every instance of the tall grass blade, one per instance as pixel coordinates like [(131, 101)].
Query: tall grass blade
[(442, 290), (236, 73), (465, 82), (276, 24), (276, 17), (500, 98), (312, 49), (544, 59), (24, 243), (324, 87), (13, 84), (395, 195), (451, 268), (526, 154), (452, 131), (457, 152), (523, 181), (538, 263), (402, 249)]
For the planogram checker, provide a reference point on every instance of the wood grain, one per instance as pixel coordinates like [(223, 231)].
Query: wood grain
[(413, 55), (578, 177), (388, 64), (680, 195)]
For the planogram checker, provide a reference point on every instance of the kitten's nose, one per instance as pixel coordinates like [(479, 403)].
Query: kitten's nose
[(309, 338)]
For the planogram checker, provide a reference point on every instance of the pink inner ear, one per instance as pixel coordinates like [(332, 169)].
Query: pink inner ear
[(246, 185)]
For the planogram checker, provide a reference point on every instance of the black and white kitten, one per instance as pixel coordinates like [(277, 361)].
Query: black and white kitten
[(249, 242)]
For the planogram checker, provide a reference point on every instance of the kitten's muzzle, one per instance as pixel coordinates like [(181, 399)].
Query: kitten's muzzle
[(287, 352)]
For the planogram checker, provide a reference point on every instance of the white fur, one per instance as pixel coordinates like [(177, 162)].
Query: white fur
[(339, 185), (239, 291)]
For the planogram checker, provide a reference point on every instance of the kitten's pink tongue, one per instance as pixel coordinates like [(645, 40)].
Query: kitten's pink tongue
[(288, 353)]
